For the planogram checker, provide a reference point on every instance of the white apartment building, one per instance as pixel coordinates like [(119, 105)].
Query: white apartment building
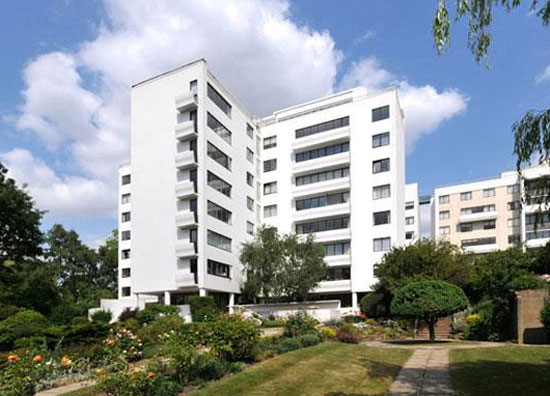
[(204, 175)]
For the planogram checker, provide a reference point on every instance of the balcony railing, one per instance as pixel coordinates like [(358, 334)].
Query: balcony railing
[(186, 249), (187, 101), (185, 189), (186, 159), (186, 279), (186, 219), (186, 130)]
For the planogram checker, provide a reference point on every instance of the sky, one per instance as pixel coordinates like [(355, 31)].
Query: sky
[(67, 66)]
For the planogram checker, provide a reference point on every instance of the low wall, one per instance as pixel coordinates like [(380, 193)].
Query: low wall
[(529, 326), (321, 310)]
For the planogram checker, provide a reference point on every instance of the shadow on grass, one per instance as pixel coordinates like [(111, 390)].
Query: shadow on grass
[(418, 342)]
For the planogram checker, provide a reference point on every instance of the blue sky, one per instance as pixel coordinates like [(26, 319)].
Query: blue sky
[(65, 139)]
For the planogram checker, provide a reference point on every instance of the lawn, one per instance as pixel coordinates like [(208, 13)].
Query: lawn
[(325, 369), (508, 370)]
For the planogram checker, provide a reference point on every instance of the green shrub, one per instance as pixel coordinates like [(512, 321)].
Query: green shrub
[(154, 311), (300, 324), (352, 319), (80, 320), (29, 342), (26, 323), (153, 332), (375, 305), (545, 317), (233, 338), (287, 345), (203, 309), (482, 324), (63, 314), (8, 310), (273, 323), (309, 339), (128, 313), (102, 316)]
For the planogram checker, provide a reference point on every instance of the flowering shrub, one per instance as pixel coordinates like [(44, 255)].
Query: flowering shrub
[(473, 319), (347, 337), (123, 344), (328, 332), (233, 338), (300, 324)]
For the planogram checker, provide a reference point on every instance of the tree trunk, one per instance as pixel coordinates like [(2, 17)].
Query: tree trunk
[(432, 320)]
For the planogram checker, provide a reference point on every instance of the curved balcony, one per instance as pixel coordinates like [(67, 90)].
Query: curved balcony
[(186, 219), (186, 249), (186, 130), (186, 189), (185, 279), (187, 101), (186, 159)]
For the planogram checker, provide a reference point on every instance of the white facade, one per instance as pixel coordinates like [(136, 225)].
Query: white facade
[(412, 214)]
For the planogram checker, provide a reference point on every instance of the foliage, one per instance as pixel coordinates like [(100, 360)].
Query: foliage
[(541, 264), (107, 260), (7, 311), (288, 344), (233, 338), (545, 317), (123, 344), (429, 300), (154, 311), (23, 324), (273, 322), (347, 337), (101, 316), (299, 324), (483, 322), (281, 267), (128, 313), (65, 312), (375, 304), (203, 308), (328, 333), (154, 331), (309, 339)]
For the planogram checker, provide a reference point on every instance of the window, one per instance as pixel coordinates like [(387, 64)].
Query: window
[(540, 234), (514, 238), (488, 192), (218, 128), (270, 165), (322, 127), (270, 142), (514, 205), (323, 225), (126, 272), (250, 155), (249, 179), (217, 212), (125, 217), (337, 249), (218, 240), (443, 199), (125, 254), (444, 214), (465, 227), (218, 184), (126, 179), (217, 269), (409, 235), (513, 189), (322, 176), (218, 100), (270, 188), (466, 196), (382, 165), (380, 113), (338, 273), (379, 192), (250, 228), (478, 242), (514, 222), (193, 85), (125, 292), (250, 204), (323, 200), (125, 199), (219, 156), (381, 244), (444, 230), (270, 211), (125, 235), (539, 218), (250, 131), (477, 209), (322, 152), (409, 205), (382, 139), (409, 220), (381, 217), (489, 225)]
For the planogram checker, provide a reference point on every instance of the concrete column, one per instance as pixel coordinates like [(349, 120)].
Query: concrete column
[(202, 292), (166, 298), (231, 302), (354, 301)]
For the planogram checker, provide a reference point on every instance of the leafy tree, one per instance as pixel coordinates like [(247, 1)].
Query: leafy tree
[(541, 264), (545, 317), (107, 255), (429, 300)]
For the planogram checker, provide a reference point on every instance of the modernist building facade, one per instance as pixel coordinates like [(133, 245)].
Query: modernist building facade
[(204, 175)]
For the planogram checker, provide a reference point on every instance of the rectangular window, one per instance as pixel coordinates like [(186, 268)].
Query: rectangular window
[(409, 220), (381, 217), (126, 179), (125, 199), (217, 212), (270, 188), (337, 249), (218, 184), (270, 211), (444, 230), (514, 239), (218, 99), (193, 85), (488, 192), (250, 179), (443, 199), (322, 176), (466, 196), (382, 165), (270, 165), (218, 128), (126, 292), (323, 200), (218, 269), (465, 227), (250, 131), (539, 234), (478, 242), (125, 217), (219, 156), (489, 225), (270, 142), (250, 155), (218, 240), (381, 244), (338, 273), (444, 214), (380, 113), (322, 127), (126, 272), (381, 139), (322, 152), (250, 204), (125, 254), (323, 225), (409, 235), (514, 222), (250, 228), (539, 218), (514, 205), (513, 189), (477, 209), (409, 205), (379, 192), (125, 235)]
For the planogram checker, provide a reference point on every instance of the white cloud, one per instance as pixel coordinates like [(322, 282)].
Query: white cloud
[(543, 76), (368, 35), (425, 107)]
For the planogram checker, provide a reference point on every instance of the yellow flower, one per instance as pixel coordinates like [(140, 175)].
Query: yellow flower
[(13, 358), (37, 359), (65, 361)]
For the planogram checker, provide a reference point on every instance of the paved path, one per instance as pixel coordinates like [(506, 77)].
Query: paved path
[(65, 389)]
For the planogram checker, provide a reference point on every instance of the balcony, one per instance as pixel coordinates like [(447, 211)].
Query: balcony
[(186, 130), (321, 187), (186, 189), (186, 219), (323, 211), (536, 243), (321, 139), (186, 279), (482, 248), (481, 216), (329, 161), (186, 159), (333, 286), (336, 261), (187, 101), (186, 249), (333, 235)]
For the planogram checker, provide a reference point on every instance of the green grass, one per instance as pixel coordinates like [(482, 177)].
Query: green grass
[(325, 369), (502, 371)]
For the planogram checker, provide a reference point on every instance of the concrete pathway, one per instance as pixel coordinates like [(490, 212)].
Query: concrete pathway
[(65, 389)]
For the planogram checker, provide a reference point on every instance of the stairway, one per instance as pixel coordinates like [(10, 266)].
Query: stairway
[(442, 329)]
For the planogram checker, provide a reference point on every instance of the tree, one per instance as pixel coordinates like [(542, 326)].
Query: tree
[(541, 264), (279, 268), (429, 300), (107, 255)]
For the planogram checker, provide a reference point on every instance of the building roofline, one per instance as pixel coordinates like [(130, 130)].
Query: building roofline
[(175, 69)]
